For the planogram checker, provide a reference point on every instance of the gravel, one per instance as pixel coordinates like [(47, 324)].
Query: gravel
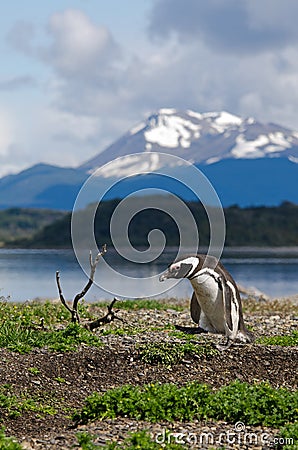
[(67, 378)]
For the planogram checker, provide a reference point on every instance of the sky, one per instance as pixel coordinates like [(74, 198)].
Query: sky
[(76, 75)]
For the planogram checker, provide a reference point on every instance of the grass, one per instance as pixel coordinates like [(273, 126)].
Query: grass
[(34, 325), (168, 353), (288, 436), (24, 326), (140, 440), (8, 443), (47, 324), (18, 338), (159, 402), (138, 304), (34, 370), (31, 325), (12, 405), (286, 340)]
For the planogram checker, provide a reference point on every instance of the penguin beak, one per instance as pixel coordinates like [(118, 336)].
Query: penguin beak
[(172, 272), (164, 276), (176, 272)]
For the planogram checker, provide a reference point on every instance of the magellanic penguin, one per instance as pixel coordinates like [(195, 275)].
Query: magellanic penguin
[(215, 304)]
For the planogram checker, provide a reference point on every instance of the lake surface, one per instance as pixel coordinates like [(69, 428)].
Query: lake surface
[(30, 274)]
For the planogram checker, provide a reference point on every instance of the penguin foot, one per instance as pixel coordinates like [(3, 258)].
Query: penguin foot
[(226, 346)]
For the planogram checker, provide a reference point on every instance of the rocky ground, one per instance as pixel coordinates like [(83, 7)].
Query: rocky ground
[(65, 379)]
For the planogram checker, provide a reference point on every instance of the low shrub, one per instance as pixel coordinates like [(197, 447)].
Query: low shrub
[(257, 404)]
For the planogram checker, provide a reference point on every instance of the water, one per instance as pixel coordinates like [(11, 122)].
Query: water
[(29, 274)]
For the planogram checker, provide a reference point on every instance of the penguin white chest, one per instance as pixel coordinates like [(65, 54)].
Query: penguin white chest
[(209, 296)]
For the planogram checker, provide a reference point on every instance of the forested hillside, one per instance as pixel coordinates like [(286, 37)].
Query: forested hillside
[(255, 226), (17, 223)]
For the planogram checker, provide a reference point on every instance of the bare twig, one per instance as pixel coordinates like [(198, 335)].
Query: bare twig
[(62, 299), (90, 281), (75, 318), (108, 318)]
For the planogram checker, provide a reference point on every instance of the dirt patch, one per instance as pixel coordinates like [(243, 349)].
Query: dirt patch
[(63, 380)]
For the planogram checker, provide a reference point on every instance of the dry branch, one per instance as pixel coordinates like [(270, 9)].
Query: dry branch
[(75, 318), (108, 318)]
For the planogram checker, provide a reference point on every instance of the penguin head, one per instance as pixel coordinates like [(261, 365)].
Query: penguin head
[(181, 268)]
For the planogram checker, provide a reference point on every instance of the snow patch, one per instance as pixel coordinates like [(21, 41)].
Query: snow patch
[(137, 128), (279, 138), (184, 143), (212, 160), (210, 115), (169, 131), (137, 164), (130, 165), (293, 159), (226, 118), (194, 114), (167, 111), (273, 148), (249, 149)]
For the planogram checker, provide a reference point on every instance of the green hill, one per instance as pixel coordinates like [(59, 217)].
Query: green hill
[(254, 226), (23, 223)]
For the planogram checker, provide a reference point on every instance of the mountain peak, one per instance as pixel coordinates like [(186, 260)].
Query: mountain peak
[(202, 137), (259, 160)]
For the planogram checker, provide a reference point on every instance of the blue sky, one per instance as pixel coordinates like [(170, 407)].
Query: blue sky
[(75, 75)]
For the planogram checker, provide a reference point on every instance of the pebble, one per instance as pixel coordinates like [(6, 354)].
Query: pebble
[(116, 430)]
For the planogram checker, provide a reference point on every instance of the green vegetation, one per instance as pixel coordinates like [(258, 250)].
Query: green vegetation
[(157, 402), (18, 223), (53, 235), (290, 431), (286, 340), (34, 370), (24, 326), (283, 340), (169, 353), (12, 405), (20, 330), (136, 441), (257, 226), (144, 304), (21, 339), (8, 443)]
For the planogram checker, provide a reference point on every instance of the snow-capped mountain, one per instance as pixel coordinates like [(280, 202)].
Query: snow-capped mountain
[(247, 162), (201, 138)]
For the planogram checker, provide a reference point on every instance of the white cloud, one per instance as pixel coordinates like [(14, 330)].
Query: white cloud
[(79, 48), (72, 126), (97, 88)]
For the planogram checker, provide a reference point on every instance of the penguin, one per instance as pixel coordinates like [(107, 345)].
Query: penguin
[(215, 304)]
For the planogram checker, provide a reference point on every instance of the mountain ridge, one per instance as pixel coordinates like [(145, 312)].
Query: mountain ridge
[(247, 162), (201, 138)]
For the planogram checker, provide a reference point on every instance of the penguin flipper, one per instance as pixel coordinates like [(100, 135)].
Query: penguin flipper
[(195, 309), (231, 309)]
